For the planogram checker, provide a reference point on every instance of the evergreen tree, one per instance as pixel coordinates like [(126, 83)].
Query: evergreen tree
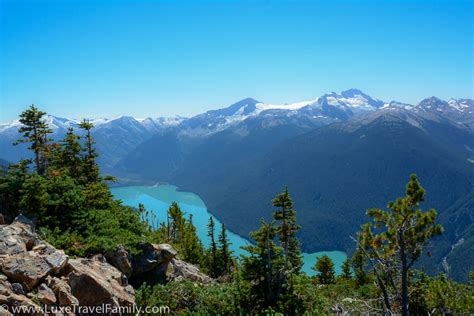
[(359, 267), (226, 254), (263, 268), (325, 268), (35, 131), (191, 246), (213, 262), (34, 198), (10, 187), (91, 170), (287, 228), (70, 151), (182, 234), (176, 223), (401, 234), (346, 269)]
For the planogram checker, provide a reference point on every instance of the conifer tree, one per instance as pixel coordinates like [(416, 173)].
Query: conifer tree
[(213, 262), (359, 266), (346, 269), (394, 240), (35, 131), (70, 151), (287, 228), (10, 186), (91, 170), (325, 268), (191, 245), (264, 265), (176, 223), (226, 255)]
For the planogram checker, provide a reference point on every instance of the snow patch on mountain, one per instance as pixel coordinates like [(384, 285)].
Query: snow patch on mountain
[(286, 106)]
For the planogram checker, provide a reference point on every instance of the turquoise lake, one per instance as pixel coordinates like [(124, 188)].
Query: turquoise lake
[(158, 198)]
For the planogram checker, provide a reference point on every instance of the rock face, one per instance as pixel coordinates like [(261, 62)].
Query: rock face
[(49, 277)]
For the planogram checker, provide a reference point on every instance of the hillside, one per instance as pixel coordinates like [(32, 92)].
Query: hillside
[(337, 171)]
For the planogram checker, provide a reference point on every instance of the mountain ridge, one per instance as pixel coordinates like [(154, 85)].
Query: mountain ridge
[(332, 152)]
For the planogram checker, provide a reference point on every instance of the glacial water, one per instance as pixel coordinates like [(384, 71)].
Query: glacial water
[(158, 198)]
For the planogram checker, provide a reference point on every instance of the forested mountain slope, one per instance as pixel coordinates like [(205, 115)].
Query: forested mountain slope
[(337, 171)]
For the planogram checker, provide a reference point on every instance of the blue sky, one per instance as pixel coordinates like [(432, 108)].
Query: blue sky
[(151, 58)]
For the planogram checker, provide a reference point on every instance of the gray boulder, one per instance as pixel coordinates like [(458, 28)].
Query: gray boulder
[(16, 238), (121, 259), (31, 267), (152, 256), (178, 270)]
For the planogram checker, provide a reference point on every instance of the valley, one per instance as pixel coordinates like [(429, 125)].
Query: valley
[(158, 198), (339, 155)]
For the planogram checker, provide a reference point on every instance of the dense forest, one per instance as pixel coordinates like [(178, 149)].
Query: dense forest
[(62, 190)]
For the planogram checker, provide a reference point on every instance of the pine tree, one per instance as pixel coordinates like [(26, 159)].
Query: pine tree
[(402, 233), (10, 186), (35, 131), (213, 262), (176, 223), (346, 269), (359, 267), (226, 254), (264, 265), (287, 228), (325, 268), (70, 151), (91, 170), (191, 246)]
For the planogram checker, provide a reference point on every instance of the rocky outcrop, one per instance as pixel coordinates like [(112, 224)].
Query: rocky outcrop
[(160, 263), (33, 272)]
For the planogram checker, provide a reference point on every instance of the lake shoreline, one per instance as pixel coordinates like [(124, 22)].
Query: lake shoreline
[(158, 196)]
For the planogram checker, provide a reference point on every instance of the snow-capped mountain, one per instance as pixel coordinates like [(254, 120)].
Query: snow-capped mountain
[(458, 111), (325, 109), (117, 137)]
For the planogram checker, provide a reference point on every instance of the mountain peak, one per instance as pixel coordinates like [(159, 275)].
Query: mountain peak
[(242, 107), (249, 100), (352, 98), (432, 102), (350, 93)]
